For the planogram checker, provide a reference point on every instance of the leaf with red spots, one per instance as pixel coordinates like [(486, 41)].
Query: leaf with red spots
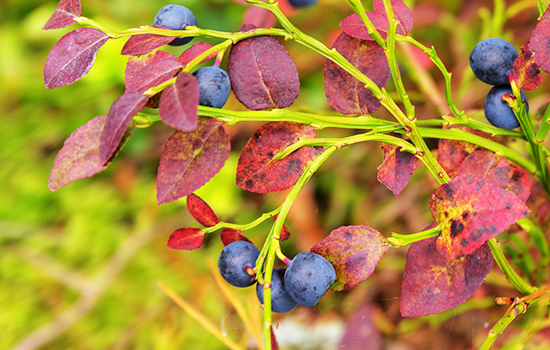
[(397, 168), (230, 235), (432, 283), (120, 115), (186, 239), (258, 172), (179, 103), (453, 152), (194, 51), (140, 44), (401, 13), (201, 211), (262, 73), (72, 56), (345, 93), (190, 159), (526, 72), (539, 44), (498, 171), (472, 210), (153, 74), (79, 156), (361, 331), (354, 252), (64, 14), (137, 64)]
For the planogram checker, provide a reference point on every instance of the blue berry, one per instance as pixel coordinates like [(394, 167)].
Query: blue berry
[(176, 17), (234, 259), (280, 300), (498, 112), (214, 85), (302, 3), (308, 278), (492, 59)]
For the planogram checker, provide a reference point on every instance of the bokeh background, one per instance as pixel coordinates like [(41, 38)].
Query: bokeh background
[(80, 267)]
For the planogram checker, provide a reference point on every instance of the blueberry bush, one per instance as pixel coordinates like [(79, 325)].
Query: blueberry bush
[(489, 181)]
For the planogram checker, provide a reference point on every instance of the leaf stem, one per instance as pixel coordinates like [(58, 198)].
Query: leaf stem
[(511, 274), (399, 240), (501, 325)]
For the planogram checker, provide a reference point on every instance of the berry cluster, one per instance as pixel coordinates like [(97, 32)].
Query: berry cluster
[(492, 60), (305, 282)]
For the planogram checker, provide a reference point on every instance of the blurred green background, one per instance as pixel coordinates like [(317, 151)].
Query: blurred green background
[(79, 267)]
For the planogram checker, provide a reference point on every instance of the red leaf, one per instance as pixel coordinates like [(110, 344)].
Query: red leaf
[(153, 74), (472, 210), (526, 72), (401, 12), (452, 152), (179, 103), (64, 13), (120, 115), (201, 211), (361, 332), (274, 343), (262, 73), (79, 156), (142, 43), (354, 252), (498, 171), (136, 64), (72, 56), (186, 239), (190, 159), (194, 51), (257, 172), (397, 168), (285, 233), (539, 44), (345, 93), (259, 17), (229, 235), (354, 26), (432, 283)]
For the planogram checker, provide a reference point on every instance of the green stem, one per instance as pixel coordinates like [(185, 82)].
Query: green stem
[(398, 240), (510, 273), (360, 10), (243, 227), (544, 127), (501, 325), (536, 234)]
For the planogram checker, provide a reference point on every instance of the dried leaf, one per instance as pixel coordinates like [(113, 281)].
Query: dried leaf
[(345, 93), (72, 56), (262, 73), (153, 74), (498, 171), (79, 156), (194, 51), (190, 159), (354, 252), (432, 283), (258, 172), (201, 211), (472, 210), (186, 239), (120, 115), (140, 44), (64, 13), (526, 72), (179, 103), (230, 235), (453, 152), (397, 168), (539, 44)]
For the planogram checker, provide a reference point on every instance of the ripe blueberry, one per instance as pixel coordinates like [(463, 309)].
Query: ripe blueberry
[(498, 112), (492, 59), (308, 278), (302, 3), (214, 86), (176, 17), (280, 300), (234, 260)]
